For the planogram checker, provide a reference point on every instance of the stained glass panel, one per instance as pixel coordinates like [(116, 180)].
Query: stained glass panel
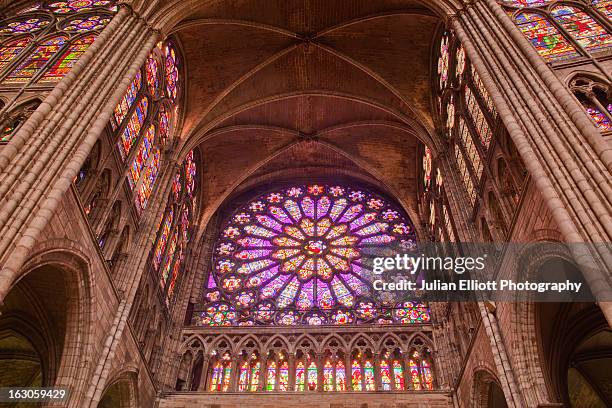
[(74, 6), (427, 375), (132, 129), (312, 376), (443, 61), (478, 119), (460, 62), (70, 57), (11, 50), (398, 375), (482, 91), (601, 119), (172, 75), (300, 376), (340, 376), (190, 173), (546, 39), (605, 6), (465, 175), (283, 377), (128, 99), (163, 239), (301, 247), (470, 148), (36, 61), (24, 25), (328, 376), (525, 3), (427, 168), (586, 31), (88, 23), (152, 69), (144, 192), (271, 378), (414, 374), (368, 376), (356, 376), (141, 157), (255, 373)]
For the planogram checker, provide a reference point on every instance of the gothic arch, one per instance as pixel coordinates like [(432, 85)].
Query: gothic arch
[(122, 391), (486, 390)]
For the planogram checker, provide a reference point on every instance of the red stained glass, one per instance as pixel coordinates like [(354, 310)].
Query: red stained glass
[(586, 31), (11, 50), (146, 188), (132, 130), (172, 75), (163, 239), (70, 57), (128, 99), (164, 125), (141, 157), (546, 39), (36, 61), (24, 25), (605, 6), (152, 69)]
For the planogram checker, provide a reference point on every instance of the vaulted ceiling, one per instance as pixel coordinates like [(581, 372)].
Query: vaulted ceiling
[(309, 87)]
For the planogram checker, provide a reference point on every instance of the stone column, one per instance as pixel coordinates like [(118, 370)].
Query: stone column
[(568, 160), (292, 364), (55, 141)]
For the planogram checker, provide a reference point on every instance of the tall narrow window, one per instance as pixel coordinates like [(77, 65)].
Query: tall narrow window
[(300, 376), (70, 57), (283, 376), (398, 375), (243, 380), (132, 129), (312, 376), (271, 378), (255, 373), (356, 376), (328, 376), (385, 375), (414, 374), (340, 376), (128, 99), (368, 376)]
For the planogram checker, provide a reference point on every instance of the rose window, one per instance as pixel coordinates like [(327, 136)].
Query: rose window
[(296, 256)]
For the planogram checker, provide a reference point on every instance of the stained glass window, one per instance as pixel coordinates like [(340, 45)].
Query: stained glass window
[(26, 25), (470, 148), (190, 173), (585, 30), (221, 374), (164, 125), (168, 263), (73, 6), (340, 376), (146, 188), (478, 119), (255, 373), (36, 61), (132, 129), (300, 376), (88, 23), (141, 157), (312, 376), (443, 61), (283, 377), (427, 168), (482, 91), (385, 375), (297, 253), (460, 62), (163, 239), (427, 375), (450, 115), (546, 39), (605, 6), (465, 175), (368, 376), (271, 379), (215, 384), (398, 375), (328, 376), (600, 118), (65, 63), (128, 99), (152, 77), (11, 50), (525, 3), (356, 376), (172, 75), (414, 374)]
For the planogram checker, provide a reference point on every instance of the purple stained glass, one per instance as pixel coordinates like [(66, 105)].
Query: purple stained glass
[(299, 250)]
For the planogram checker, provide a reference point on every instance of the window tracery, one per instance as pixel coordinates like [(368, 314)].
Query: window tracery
[(594, 96), (560, 31), (351, 362), (294, 257), (44, 41)]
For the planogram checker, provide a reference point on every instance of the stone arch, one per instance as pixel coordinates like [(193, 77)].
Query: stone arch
[(54, 291), (122, 392), (486, 390)]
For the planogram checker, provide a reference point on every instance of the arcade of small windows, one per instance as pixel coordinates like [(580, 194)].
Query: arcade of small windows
[(308, 367), (562, 30), (483, 154), (41, 43), (296, 256)]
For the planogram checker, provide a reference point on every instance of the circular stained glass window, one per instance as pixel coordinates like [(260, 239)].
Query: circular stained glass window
[(296, 256), (27, 25)]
